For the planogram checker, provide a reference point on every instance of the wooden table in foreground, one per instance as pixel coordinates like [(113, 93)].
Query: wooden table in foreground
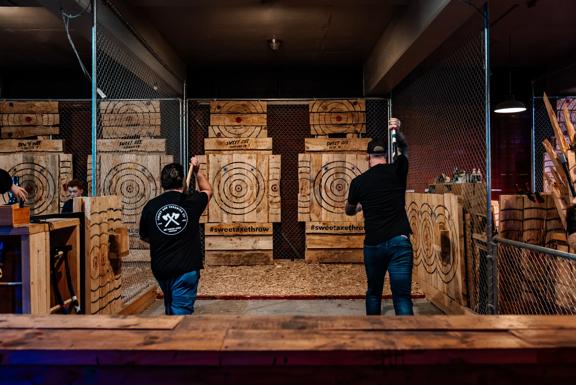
[(285, 349)]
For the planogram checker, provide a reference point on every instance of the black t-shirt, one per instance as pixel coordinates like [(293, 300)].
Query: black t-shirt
[(5, 181), (170, 223), (382, 193)]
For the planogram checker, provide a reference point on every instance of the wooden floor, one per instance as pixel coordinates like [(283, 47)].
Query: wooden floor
[(282, 349)]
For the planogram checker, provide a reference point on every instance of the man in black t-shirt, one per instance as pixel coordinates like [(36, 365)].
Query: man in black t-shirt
[(170, 223), (380, 194), (7, 185)]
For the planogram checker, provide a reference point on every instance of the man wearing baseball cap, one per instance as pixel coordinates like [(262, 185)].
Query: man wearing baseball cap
[(380, 194)]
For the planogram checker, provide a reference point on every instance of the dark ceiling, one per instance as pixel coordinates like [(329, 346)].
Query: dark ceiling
[(235, 32)]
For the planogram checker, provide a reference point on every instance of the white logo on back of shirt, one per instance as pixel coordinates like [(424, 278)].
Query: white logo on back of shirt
[(171, 219)]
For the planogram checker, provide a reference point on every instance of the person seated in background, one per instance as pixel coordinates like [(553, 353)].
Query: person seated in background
[(7, 185), (75, 189)]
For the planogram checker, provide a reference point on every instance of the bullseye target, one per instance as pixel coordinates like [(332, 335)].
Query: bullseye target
[(331, 185), (239, 188), (436, 236), (40, 184), (337, 116), (133, 183), (237, 131)]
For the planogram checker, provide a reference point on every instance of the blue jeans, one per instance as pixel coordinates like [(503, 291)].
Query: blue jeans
[(395, 256), (180, 293)]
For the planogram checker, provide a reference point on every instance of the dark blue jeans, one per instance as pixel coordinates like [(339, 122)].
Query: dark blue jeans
[(180, 293), (394, 256)]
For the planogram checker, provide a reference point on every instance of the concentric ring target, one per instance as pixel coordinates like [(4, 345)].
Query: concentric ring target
[(445, 261), (414, 220), (239, 188), (133, 183), (237, 131), (427, 238), (331, 185), (40, 184)]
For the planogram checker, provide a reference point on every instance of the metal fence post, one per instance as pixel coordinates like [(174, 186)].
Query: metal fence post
[(94, 118)]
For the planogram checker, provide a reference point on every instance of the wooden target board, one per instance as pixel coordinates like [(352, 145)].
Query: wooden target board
[(246, 188), (324, 180), (28, 119), (337, 116), (42, 175), (130, 118), (238, 119), (102, 276), (438, 240), (135, 178)]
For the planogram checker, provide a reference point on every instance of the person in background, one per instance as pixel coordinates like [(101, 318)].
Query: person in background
[(380, 193), (170, 223), (75, 189), (7, 185)]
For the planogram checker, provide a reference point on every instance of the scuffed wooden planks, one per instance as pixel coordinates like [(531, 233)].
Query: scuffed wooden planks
[(248, 242), (337, 241), (237, 131), (238, 258), (337, 116), (130, 118), (13, 107), (9, 132), (102, 276), (334, 255), (438, 241), (334, 228)]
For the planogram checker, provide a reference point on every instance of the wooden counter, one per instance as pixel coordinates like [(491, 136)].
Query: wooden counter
[(242, 349)]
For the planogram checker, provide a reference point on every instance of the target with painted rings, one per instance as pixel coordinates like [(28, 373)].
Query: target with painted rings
[(426, 249), (40, 184), (239, 188), (445, 263), (331, 185), (134, 183), (414, 220)]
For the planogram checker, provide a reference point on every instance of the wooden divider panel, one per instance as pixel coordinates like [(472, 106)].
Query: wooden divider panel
[(438, 241)]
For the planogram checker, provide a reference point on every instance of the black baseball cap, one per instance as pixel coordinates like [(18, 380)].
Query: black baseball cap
[(376, 146)]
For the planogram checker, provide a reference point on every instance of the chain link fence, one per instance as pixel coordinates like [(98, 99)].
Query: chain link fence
[(139, 130), (442, 106), (541, 129), (535, 280)]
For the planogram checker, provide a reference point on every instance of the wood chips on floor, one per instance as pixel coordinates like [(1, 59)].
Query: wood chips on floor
[(284, 278)]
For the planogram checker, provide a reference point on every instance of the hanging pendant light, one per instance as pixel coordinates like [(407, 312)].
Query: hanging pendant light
[(510, 106)]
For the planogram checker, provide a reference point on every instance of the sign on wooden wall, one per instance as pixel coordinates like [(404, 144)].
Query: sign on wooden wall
[(42, 175), (438, 240)]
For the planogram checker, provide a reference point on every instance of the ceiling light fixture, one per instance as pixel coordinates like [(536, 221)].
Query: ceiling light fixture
[(510, 106), (274, 43)]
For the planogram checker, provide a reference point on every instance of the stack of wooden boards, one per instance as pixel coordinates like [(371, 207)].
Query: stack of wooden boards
[(245, 178), (105, 242), (130, 158), (26, 151), (325, 172), (561, 177)]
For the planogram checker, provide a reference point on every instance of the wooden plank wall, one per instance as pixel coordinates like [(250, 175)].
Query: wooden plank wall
[(437, 222), (245, 178), (102, 275)]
